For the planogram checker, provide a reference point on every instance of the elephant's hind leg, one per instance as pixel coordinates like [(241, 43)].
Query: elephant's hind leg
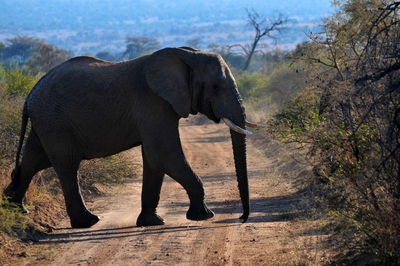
[(152, 182), (79, 215), (34, 159)]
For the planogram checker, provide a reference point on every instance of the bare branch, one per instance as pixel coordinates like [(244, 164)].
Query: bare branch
[(263, 27)]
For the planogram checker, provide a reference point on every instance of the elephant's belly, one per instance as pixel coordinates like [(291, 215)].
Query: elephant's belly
[(105, 143), (108, 151)]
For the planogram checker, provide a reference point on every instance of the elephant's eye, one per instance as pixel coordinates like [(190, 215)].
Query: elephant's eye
[(216, 89)]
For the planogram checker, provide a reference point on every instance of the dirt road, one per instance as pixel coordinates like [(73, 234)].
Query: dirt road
[(267, 238)]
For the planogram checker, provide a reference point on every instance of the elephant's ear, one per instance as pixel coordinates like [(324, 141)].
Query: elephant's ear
[(168, 75)]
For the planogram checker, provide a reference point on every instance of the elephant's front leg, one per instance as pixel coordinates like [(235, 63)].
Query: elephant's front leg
[(152, 182), (169, 157), (185, 176)]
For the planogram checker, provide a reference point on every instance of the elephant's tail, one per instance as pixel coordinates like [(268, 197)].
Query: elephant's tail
[(25, 117)]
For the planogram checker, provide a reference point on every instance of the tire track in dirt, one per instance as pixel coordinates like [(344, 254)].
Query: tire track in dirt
[(223, 240)]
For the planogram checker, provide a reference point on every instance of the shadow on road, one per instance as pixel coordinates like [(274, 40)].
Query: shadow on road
[(81, 235)]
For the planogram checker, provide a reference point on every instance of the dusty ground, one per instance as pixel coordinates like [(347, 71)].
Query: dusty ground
[(272, 235)]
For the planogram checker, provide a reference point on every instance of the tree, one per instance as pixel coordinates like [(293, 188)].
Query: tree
[(348, 121), (272, 59), (264, 27), (235, 61), (20, 48), (2, 48), (195, 43), (138, 46), (105, 55), (45, 57)]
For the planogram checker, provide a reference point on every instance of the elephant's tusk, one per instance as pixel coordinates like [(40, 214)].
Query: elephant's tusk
[(234, 127), (249, 124)]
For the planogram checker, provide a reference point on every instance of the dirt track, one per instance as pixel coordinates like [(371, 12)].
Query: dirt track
[(267, 237)]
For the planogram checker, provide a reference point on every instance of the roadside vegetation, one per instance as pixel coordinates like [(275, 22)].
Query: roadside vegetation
[(334, 100), (346, 124)]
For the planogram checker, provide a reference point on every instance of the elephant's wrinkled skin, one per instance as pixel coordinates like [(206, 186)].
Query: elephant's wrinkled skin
[(88, 108)]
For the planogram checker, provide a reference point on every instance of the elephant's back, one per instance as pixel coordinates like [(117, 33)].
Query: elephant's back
[(76, 88), (81, 98), (79, 78), (77, 73)]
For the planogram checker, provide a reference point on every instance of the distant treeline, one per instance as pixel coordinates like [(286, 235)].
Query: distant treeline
[(93, 26)]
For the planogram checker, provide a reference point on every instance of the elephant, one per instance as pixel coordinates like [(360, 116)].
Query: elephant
[(88, 108)]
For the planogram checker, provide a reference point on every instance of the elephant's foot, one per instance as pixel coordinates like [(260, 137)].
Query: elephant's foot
[(198, 212), (84, 221), (146, 219)]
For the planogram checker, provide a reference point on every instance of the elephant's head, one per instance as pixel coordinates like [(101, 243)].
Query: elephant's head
[(196, 81)]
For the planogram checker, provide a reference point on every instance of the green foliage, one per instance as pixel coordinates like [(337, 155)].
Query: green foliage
[(105, 55), (195, 43), (2, 48), (10, 124), (270, 89), (138, 46), (2, 71), (20, 47), (346, 122), (297, 120), (12, 221), (247, 83), (45, 57), (18, 83)]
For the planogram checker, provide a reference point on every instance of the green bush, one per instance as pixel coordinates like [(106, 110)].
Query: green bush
[(247, 83), (12, 221), (273, 89), (355, 188), (18, 83), (347, 124), (10, 125)]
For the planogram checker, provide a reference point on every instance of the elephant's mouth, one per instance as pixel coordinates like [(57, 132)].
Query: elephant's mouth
[(208, 111), (211, 115), (231, 124)]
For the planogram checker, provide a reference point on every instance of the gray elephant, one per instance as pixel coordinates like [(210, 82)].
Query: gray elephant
[(88, 108)]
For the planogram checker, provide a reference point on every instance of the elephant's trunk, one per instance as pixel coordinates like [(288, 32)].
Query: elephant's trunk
[(239, 154)]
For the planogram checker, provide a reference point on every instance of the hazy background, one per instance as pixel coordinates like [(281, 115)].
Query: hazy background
[(91, 26)]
